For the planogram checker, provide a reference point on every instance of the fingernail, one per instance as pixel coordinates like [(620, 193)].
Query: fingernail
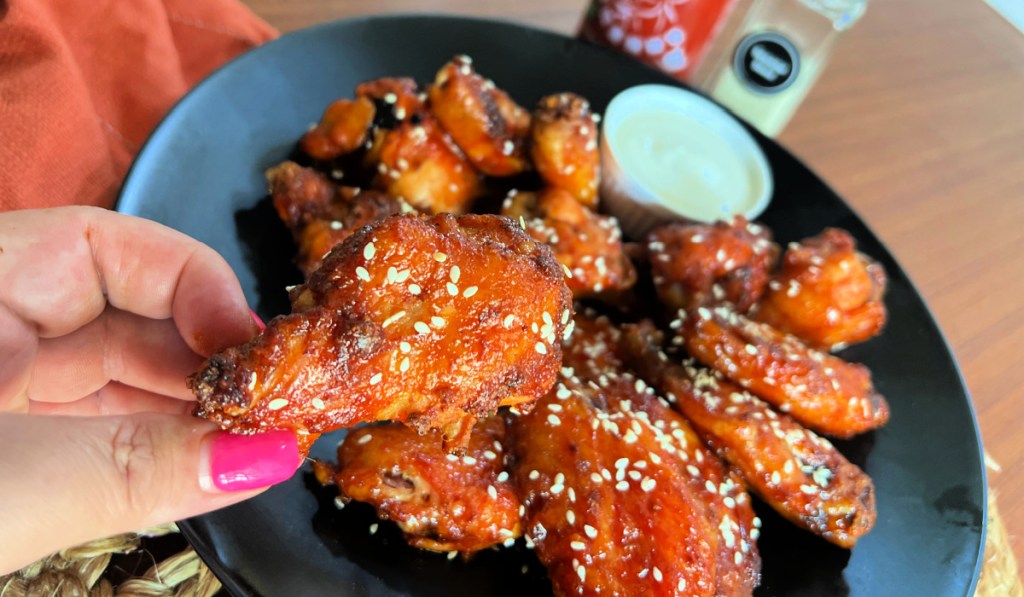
[(259, 322), (239, 462)]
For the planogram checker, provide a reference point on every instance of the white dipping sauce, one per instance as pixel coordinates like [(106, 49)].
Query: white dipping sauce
[(667, 152), (689, 166)]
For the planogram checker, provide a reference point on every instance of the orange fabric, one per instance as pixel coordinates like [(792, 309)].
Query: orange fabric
[(83, 83)]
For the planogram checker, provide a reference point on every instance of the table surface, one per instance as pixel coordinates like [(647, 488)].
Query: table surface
[(918, 122)]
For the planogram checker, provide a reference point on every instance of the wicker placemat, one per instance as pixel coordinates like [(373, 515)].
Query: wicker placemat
[(106, 568)]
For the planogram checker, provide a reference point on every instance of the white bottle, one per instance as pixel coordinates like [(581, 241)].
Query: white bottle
[(775, 57)]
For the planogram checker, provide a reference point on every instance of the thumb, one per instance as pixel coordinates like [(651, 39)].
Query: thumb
[(67, 480)]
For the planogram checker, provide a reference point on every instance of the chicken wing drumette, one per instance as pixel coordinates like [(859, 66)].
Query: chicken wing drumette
[(563, 145), (320, 213), (589, 245), (699, 265), (433, 322), (798, 473), (483, 120), (442, 502), (821, 391), (826, 293)]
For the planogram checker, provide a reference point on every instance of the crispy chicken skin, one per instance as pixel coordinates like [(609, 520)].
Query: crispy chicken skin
[(441, 502), (434, 322), (700, 265), (588, 244), (321, 214), (798, 473), (563, 145), (821, 391), (826, 293), (417, 162), (343, 128), (621, 498), (489, 127)]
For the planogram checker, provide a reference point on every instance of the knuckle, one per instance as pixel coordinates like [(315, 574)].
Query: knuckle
[(134, 456)]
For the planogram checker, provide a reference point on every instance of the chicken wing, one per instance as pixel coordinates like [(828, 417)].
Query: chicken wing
[(821, 391), (826, 293), (621, 497), (489, 127), (563, 135), (700, 265), (433, 322), (589, 245), (321, 214), (343, 128), (441, 502), (798, 473)]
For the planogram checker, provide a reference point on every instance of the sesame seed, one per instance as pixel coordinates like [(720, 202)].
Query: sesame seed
[(694, 471), (364, 439), (404, 346), (541, 348), (582, 573), (502, 476), (336, 225), (570, 517), (776, 478), (318, 404), (682, 585), (339, 503), (491, 491), (750, 349), (452, 288), (554, 420), (376, 379), (421, 327), (737, 558), (373, 528), (393, 319), (622, 485), (451, 457), (469, 292), (369, 251), (468, 460), (277, 404), (362, 274), (440, 257), (454, 274), (656, 573), (414, 289), (578, 545), (508, 321), (451, 554), (404, 366), (648, 484), (437, 322)]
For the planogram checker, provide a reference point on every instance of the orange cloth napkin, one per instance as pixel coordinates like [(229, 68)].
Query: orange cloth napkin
[(83, 83)]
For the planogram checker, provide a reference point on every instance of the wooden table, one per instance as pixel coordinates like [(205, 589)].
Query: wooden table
[(919, 123)]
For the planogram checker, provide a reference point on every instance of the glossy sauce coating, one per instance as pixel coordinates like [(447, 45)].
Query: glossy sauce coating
[(563, 146)]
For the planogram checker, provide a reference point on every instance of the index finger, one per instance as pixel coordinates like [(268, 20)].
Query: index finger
[(60, 267)]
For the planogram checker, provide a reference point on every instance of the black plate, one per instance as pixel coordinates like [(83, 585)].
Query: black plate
[(202, 173)]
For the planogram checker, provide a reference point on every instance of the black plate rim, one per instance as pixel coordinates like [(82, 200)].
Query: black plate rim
[(126, 195)]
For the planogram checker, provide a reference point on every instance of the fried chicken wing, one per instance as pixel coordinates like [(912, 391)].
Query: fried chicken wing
[(798, 473), (417, 162), (821, 391), (433, 322), (397, 98), (343, 128), (700, 265), (621, 497), (321, 214), (489, 127), (826, 293), (441, 502), (563, 145), (589, 245)]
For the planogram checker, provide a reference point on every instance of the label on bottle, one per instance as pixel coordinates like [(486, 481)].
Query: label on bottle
[(766, 62)]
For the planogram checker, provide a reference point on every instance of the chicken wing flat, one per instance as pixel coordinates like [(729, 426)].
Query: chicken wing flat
[(621, 497), (489, 127), (701, 265), (430, 321), (320, 213), (563, 135), (589, 245), (418, 162), (343, 128), (442, 502), (821, 391), (801, 475), (826, 293)]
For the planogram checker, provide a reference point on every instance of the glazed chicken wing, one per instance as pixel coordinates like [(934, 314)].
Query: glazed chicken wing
[(433, 322), (589, 245), (822, 392), (563, 145), (826, 293), (321, 214), (700, 265), (621, 498), (489, 127), (442, 502), (799, 474)]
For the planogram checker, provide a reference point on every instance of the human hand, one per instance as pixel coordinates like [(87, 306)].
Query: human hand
[(102, 316)]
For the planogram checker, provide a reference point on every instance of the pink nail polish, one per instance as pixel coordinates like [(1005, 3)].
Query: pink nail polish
[(239, 462), (259, 322)]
